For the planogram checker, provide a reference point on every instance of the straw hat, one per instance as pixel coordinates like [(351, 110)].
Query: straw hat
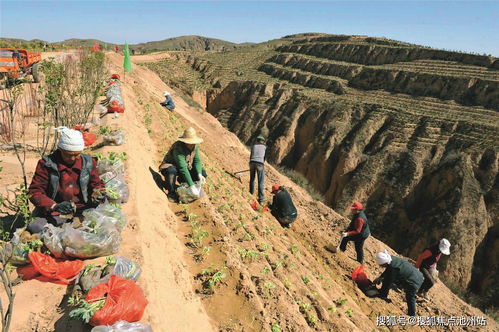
[(190, 137)]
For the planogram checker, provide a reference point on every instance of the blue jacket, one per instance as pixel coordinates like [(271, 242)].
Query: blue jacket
[(168, 103)]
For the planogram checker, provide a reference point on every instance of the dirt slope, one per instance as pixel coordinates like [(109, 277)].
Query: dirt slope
[(274, 275)]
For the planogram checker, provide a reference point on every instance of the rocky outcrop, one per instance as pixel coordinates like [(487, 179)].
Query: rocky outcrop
[(421, 178)]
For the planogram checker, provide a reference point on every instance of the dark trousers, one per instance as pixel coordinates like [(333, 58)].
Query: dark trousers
[(410, 298), (428, 280), (359, 245), (258, 170), (170, 174)]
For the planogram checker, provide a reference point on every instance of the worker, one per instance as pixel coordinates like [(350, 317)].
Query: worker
[(282, 207), (357, 231), (256, 165), (404, 273), (427, 264), (63, 182), (168, 102), (183, 160)]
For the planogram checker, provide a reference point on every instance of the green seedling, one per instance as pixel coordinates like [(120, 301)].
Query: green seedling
[(87, 268), (311, 319), (265, 246), (305, 279), (247, 236), (277, 264), (86, 309), (314, 294), (332, 308), (287, 284), (248, 254), (268, 286), (276, 327), (349, 312), (266, 270), (104, 130), (341, 301), (198, 234), (192, 216), (294, 249)]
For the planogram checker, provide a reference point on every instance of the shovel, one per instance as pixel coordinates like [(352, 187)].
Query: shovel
[(335, 249)]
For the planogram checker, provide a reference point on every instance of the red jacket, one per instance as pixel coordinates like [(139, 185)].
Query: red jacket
[(69, 188)]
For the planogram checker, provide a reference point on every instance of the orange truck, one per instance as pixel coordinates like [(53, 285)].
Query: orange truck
[(18, 63)]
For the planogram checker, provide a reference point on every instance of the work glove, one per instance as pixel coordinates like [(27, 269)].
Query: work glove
[(64, 208), (377, 281), (344, 234), (202, 179), (194, 191)]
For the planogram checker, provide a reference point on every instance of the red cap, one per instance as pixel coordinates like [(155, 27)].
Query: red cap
[(115, 76), (275, 188), (356, 205)]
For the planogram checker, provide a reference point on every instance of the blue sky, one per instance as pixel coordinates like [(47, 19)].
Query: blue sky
[(471, 26)]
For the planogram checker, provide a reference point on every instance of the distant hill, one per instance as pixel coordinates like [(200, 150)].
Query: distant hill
[(188, 43), (16, 42)]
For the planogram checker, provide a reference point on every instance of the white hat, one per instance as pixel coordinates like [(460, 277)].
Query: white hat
[(444, 246), (383, 258), (70, 140), (166, 93)]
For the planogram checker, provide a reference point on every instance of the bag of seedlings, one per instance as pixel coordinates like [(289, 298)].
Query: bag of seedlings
[(123, 326)]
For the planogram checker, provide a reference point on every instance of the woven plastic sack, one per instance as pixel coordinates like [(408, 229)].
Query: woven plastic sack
[(104, 213), (123, 326), (116, 137), (118, 184), (124, 301), (106, 165), (46, 268), (184, 194)]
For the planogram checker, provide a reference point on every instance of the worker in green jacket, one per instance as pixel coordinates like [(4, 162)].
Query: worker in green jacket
[(402, 272), (183, 160)]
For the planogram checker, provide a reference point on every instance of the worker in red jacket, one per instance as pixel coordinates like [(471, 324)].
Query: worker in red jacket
[(63, 182), (427, 264), (357, 231)]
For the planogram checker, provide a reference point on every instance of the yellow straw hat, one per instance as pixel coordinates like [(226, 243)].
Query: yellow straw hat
[(190, 137)]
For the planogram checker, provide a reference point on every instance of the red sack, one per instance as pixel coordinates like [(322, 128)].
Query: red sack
[(46, 268), (258, 207), (88, 137), (115, 107), (124, 301), (360, 277)]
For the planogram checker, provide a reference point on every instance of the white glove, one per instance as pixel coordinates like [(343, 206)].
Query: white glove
[(194, 190), (202, 179), (344, 234)]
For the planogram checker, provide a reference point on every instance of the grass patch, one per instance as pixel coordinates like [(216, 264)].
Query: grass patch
[(302, 181)]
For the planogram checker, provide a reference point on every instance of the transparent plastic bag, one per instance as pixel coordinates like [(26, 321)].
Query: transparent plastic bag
[(84, 244), (116, 137), (52, 239), (106, 165), (104, 213), (16, 251), (126, 269), (118, 185), (184, 194), (122, 326)]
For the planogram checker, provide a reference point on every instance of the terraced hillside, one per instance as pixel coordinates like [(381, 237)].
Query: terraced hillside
[(409, 130)]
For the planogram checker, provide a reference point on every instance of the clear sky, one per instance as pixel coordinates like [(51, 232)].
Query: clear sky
[(471, 26)]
